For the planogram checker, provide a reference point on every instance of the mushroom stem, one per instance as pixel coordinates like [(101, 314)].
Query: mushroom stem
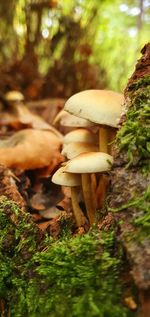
[(93, 189), (112, 135), (87, 194), (78, 214), (101, 190), (103, 139)]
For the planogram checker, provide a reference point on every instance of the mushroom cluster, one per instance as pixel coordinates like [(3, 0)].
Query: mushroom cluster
[(88, 152)]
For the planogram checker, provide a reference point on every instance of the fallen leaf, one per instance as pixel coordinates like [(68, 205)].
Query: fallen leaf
[(31, 149), (25, 116), (46, 195), (51, 212)]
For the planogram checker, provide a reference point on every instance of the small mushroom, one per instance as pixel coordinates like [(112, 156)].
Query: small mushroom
[(80, 135), (102, 107), (73, 181), (14, 96), (73, 149), (68, 120), (87, 164)]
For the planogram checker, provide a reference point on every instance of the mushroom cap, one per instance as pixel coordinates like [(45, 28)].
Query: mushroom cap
[(73, 149), (93, 162), (67, 120), (14, 95), (99, 106), (65, 179), (80, 135)]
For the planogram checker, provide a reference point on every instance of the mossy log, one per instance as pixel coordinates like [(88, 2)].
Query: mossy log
[(129, 197)]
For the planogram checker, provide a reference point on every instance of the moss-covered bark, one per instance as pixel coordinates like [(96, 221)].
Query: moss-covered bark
[(129, 197)]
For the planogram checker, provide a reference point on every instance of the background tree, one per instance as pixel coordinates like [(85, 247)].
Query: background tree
[(56, 48)]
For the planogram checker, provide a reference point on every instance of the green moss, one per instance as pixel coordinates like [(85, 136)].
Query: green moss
[(134, 139), (142, 82), (142, 218), (71, 277), (19, 228), (134, 136), (75, 277)]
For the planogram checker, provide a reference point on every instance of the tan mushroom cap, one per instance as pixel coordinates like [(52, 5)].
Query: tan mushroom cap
[(65, 179), (93, 162), (14, 95), (80, 135), (73, 149), (99, 106), (67, 120)]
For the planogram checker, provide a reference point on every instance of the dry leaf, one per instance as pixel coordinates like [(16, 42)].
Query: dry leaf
[(51, 213), (25, 116), (31, 149), (46, 195), (9, 120)]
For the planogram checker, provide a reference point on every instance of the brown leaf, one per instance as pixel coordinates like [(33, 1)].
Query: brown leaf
[(9, 120), (25, 116), (51, 212), (44, 225), (54, 226), (9, 188), (46, 195), (36, 217), (31, 149)]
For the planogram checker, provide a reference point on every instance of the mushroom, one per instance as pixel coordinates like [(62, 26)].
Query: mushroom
[(73, 181), (86, 164), (102, 107), (69, 120), (14, 96), (80, 135), (73, 149)]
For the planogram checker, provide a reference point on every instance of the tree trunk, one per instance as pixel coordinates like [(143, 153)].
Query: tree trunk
[(129, 196)]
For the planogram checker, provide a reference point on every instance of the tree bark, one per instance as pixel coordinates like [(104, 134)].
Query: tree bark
[(129, 184)]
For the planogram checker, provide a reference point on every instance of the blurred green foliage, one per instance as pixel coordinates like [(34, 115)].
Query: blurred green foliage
[(103, 33)]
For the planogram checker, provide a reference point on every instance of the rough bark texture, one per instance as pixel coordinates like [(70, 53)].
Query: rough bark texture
[(128, 183), (142, 67)]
